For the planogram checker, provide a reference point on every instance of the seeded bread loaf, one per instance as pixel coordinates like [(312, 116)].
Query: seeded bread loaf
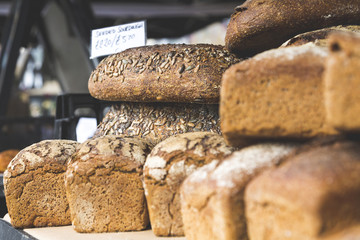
[(5, 158), (319, 37), (212, 198), (259, 25), (276, 94), (162, 73), (104, 187), (342, 82), (157, 121), (168, 164), (34, 185), (313, 194)]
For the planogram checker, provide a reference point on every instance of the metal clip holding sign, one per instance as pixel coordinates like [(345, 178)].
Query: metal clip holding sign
[(110, 40)]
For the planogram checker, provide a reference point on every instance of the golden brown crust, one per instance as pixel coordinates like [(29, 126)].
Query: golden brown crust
[(342, 81), (157, 121), (104, 187), (276, 94), (162, 73), (34, 185), (312, 194), (168, 164), (259, 25)]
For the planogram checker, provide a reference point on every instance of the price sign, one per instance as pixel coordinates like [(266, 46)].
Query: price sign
[(110, 40)]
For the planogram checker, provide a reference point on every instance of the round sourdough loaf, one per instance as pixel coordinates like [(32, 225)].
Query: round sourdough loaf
[(162, 73), (34, 185), (157, 121), (168, 164), (259, 25), (104, 187)]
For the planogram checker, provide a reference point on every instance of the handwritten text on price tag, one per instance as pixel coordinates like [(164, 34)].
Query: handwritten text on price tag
[(110, 40)]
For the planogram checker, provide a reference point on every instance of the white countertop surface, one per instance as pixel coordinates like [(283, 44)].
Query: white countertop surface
[(68, 233)]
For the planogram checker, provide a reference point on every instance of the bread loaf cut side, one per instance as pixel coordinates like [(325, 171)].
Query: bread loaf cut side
[(168, 164), (276, 94), (259, 25), (212, 197), (162, 73), (34, 185), (342, 82), (157, 121), (104, 187), (312, 195)]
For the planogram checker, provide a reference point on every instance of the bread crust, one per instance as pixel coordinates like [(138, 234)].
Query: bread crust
[(162, 73), (259, 25), (34, 185)]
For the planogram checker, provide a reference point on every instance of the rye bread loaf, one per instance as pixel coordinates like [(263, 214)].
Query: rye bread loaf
[(313, 194), (157, 121), (319, 37), (34, 185), (104, 186), (214, 194), (162, 73), (5, 158), (259, 25), (342, 82), (168, 164), (276, 94)]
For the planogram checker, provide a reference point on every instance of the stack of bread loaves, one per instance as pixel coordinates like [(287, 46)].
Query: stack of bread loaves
[(307, 88), (166, 89)]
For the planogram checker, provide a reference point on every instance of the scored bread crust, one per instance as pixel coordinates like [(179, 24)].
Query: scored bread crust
[(162, 73), (34, 184), (168, 164)]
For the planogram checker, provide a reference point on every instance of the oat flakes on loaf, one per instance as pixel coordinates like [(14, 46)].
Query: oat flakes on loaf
[(104, 187), (259, 25), (34, 185), (168, 164), (162, 73), (157, 121)]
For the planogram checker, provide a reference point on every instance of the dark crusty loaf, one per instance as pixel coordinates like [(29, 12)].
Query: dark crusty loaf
[(162, 73), (34, 185), (259, 25), (319, 37), (157, 121), (168, 164), (276, 94), (342, 82), (313, 194), (104, 187), (212, 197)]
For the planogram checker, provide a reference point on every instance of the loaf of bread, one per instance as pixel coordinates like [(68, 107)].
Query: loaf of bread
[(313, 194), (34, 185), (276, 94), (351, 233), (157, 121), (342, 82), (5, 158), (168, 164), (104, 187), (212, 198), (259, 25), (162, 73), (319, 37)]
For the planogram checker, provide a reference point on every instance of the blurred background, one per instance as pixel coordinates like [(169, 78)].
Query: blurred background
[(45, 51)]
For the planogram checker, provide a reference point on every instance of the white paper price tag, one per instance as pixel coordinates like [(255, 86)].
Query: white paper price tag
[(110, 40)]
